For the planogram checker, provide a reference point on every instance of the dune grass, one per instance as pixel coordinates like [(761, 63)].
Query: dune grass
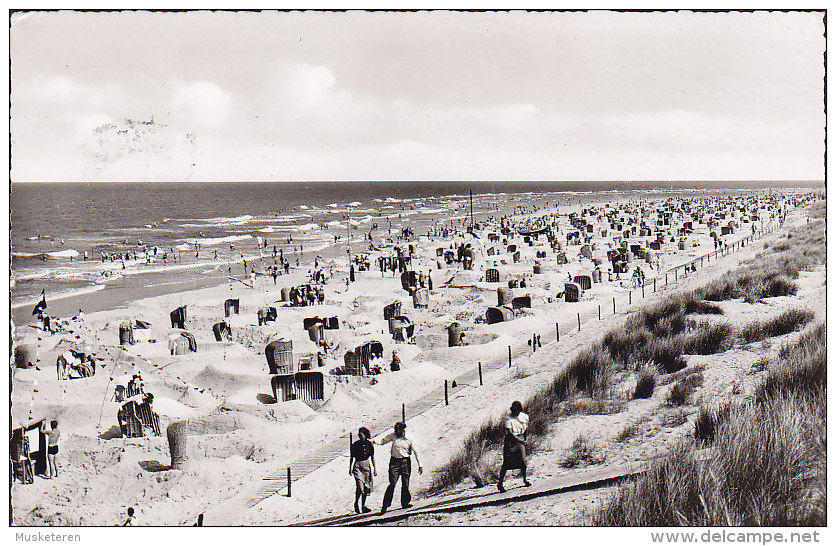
[(680, 393), (767, 462), (645, 383), (708, 338), (786, 322), (659, 336), (583, 452), (773, 271)]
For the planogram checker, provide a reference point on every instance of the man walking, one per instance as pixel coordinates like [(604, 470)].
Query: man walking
[(400, 465)]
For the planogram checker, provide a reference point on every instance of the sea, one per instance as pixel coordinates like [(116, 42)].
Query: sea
[(198, 234)]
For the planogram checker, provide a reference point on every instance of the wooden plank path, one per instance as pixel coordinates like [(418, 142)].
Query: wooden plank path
[(277, 482), (489, 495)]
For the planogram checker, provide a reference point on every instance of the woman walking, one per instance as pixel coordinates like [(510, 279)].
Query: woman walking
[(361, 465), (513, 452)]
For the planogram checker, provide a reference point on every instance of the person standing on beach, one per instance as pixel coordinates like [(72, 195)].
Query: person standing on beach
[(130, 521), (52, 435), (400, 465), (513, 452), (361, 465)]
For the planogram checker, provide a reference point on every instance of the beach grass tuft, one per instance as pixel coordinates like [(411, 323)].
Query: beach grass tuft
[(786, 322), (767, 462), (645, 383)]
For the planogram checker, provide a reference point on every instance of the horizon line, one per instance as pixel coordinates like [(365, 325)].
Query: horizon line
[(375, 181)]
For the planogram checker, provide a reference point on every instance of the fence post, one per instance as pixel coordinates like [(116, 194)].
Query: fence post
[(675, 275), (446, 400), (642, 288), (557, 330), (654, 285), (666, 279), (509, 356), (630, 295), (403, 413), (599, 311), (613, 306), (480, 373), (288, 481), (579, 322)]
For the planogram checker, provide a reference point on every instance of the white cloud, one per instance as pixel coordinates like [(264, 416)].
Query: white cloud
[(538, 97), (205, 103)]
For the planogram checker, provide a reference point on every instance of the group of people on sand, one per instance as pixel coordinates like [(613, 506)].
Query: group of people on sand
[(362, 466)]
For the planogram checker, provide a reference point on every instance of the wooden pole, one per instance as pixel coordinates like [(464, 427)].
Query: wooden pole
[(509, 356), (480, 374), (579, 322), (288, 481), (557, 330), (630, 295), (403, 413), (446, 399), (642, 289), (613, 306), (654, 285), (471, 209)]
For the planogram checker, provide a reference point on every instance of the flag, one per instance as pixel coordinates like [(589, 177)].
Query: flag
[(41, 304)]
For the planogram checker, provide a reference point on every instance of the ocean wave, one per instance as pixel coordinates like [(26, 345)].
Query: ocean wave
[(303, 227), (209, 241), (57, 254), (267, 229), (230, 220), (69, 253)]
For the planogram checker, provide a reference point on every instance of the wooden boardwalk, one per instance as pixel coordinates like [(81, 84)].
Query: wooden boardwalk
[(489, 495)]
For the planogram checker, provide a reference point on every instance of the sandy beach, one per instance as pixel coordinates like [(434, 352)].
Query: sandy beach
[(238, 434)]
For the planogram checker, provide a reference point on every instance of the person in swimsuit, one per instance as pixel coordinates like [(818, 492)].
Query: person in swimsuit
[(52, 435)]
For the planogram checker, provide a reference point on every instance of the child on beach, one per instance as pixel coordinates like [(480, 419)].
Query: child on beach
[(131, 520)]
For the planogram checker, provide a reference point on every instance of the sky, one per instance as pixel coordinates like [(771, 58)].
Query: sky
[(214, 96)]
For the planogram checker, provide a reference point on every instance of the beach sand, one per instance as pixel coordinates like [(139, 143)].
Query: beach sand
[(239, 435)]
